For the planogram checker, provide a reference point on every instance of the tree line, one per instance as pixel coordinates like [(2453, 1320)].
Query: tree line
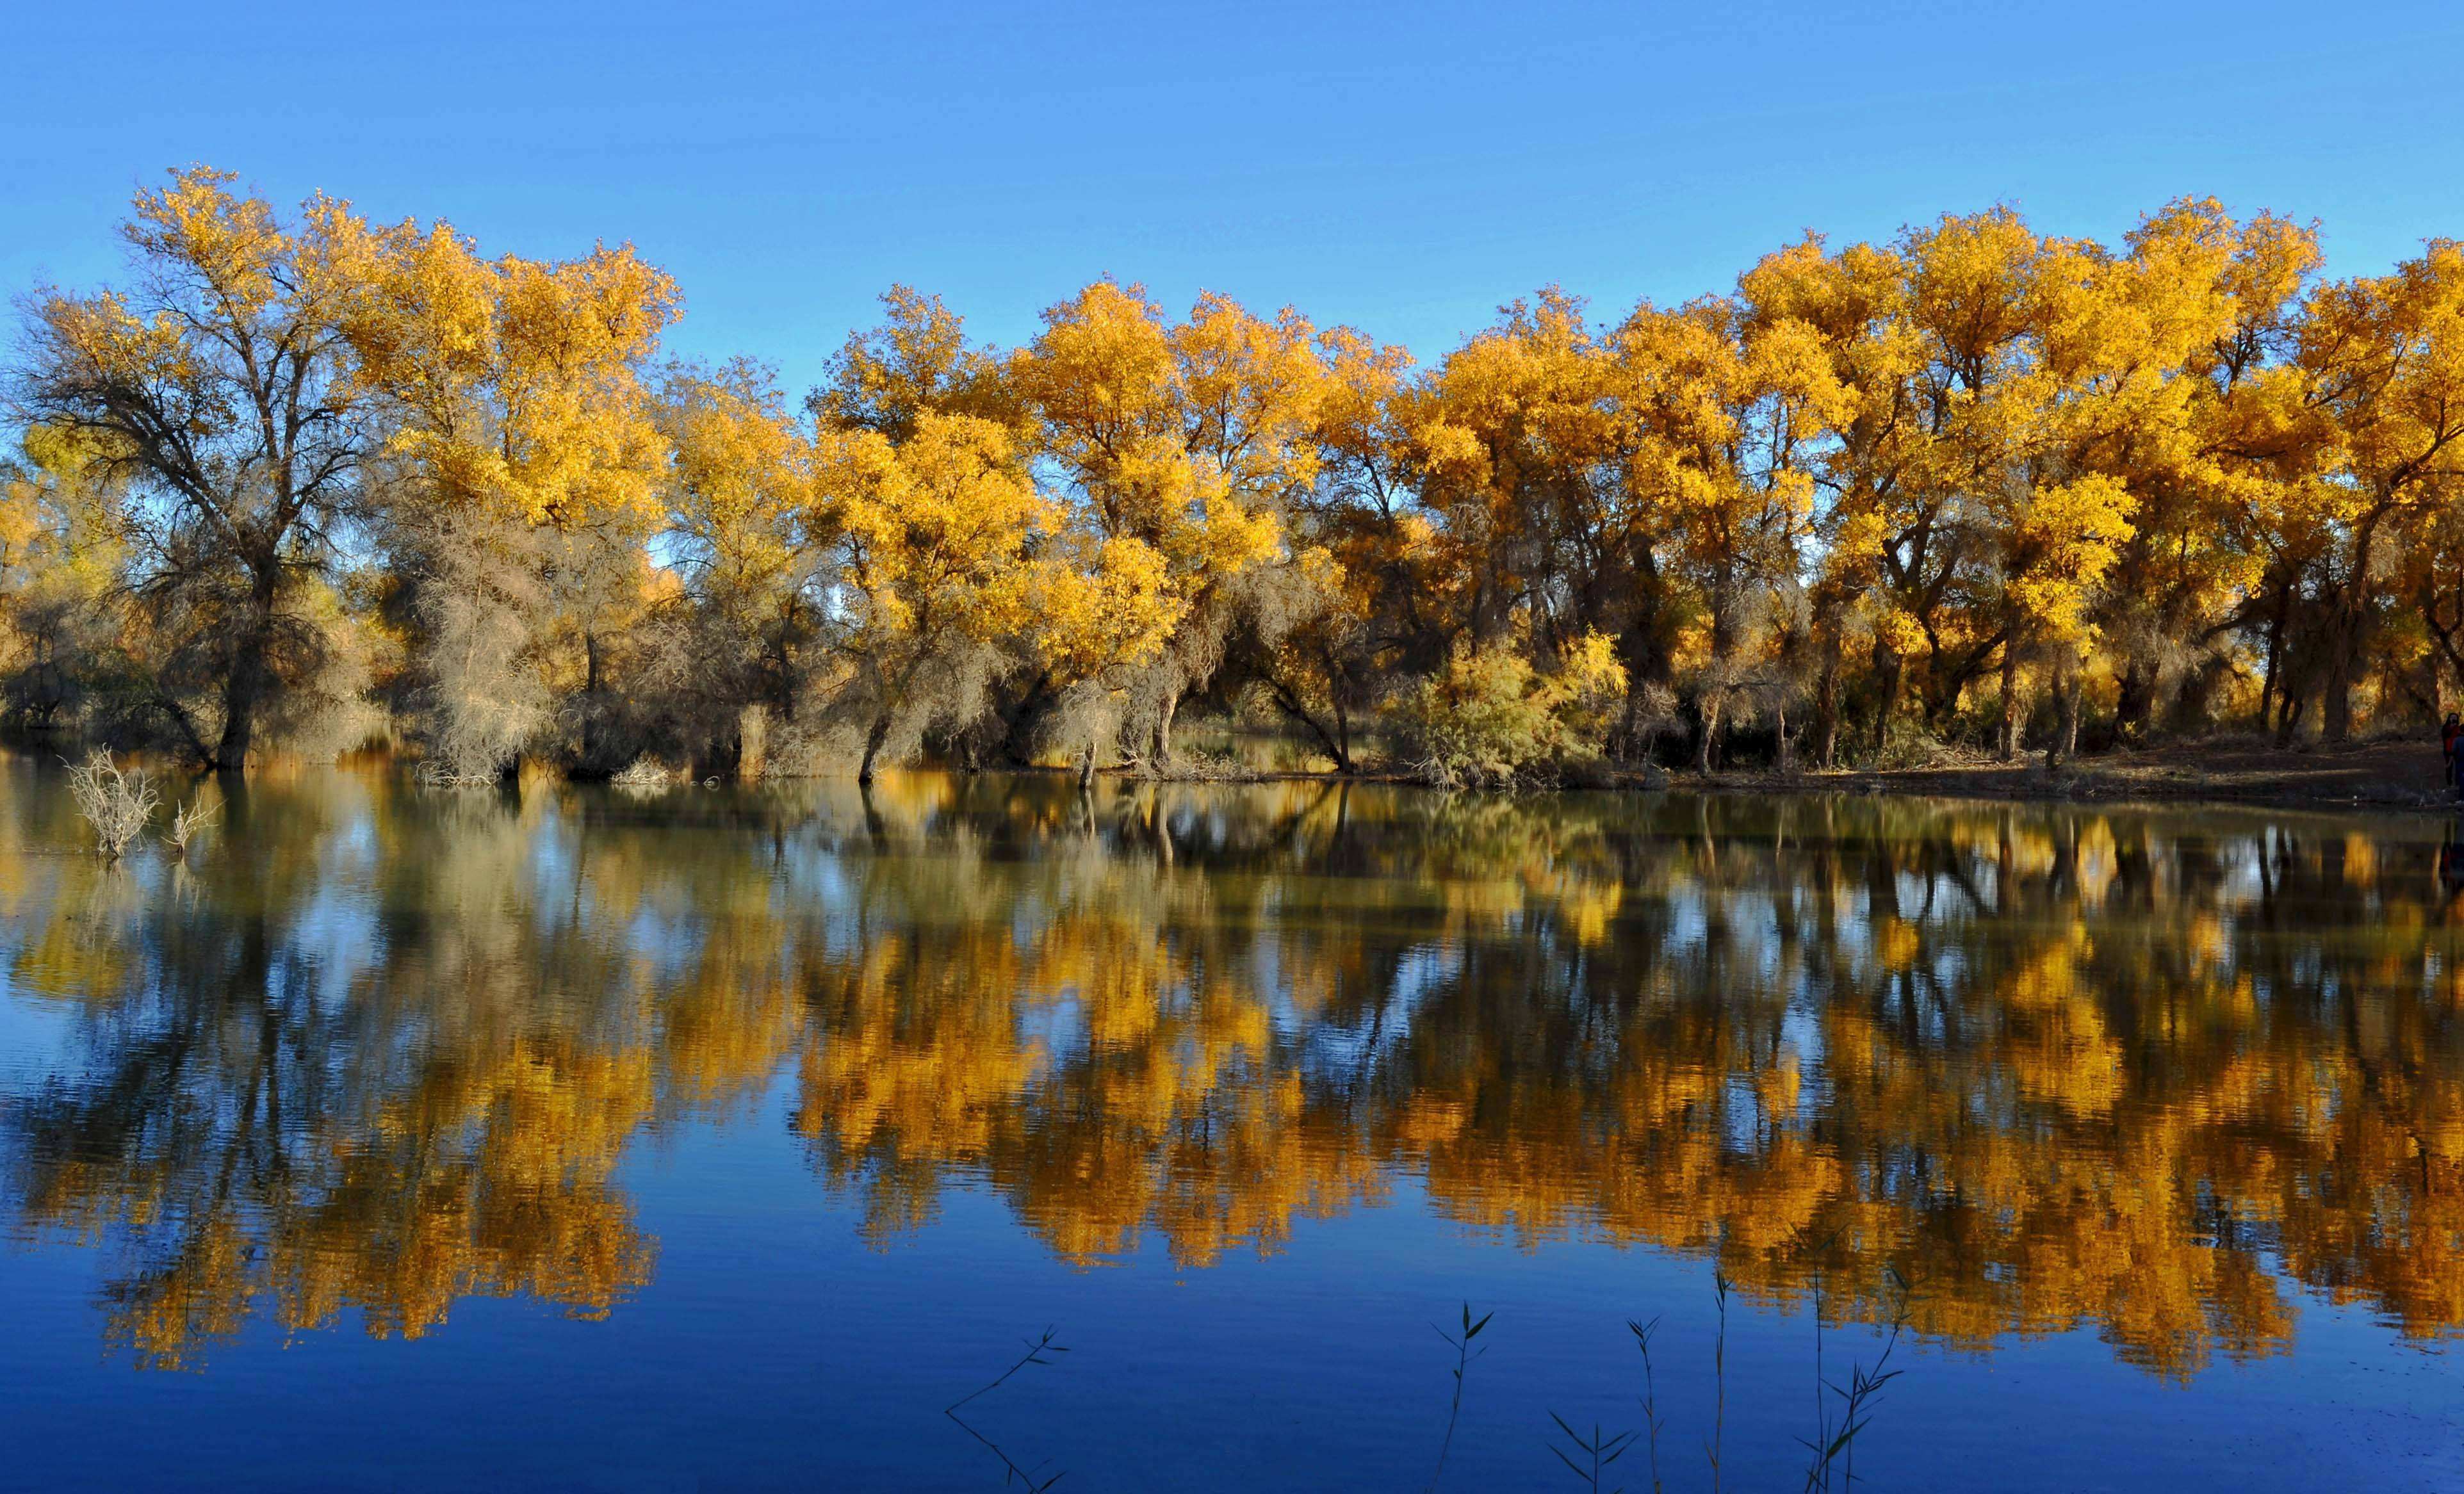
[(302, 481)]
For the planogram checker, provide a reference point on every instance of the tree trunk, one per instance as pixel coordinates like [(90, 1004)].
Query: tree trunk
[(251, 678), (2336, 705), (2345, 639), (1638, 649), (1039, 690), (590, 697), (1887, 667), (1163, 728), (874, 737), (1337, 742), (1703, 755), (1629, 742), (2275, 651), (752, 741), (2007, 747), (782, 691), (240, 695), (1086, 769), (1826, 711), (2136, 705), (2066, 694)]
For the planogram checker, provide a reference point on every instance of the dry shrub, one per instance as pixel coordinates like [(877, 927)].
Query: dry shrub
[(192, 819), (117, 804), (1197, 767), (477, 595), (482, 706), (1083, 722), (643, 774), (944, 690), (1909, 745)]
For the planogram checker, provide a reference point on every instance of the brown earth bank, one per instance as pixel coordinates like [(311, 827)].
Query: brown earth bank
[(2399, 775), (2388, 774)]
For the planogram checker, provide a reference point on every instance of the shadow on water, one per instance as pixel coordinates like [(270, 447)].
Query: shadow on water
[(372, 1048)]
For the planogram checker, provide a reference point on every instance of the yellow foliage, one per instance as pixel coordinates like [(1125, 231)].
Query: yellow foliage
[(741, 476), (517, 381), (931, 533)]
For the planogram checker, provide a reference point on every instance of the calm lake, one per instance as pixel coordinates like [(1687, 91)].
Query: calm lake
[(722, 1138)]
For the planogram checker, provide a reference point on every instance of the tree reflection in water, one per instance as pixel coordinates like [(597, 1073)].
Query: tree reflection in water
[(379, 1049)]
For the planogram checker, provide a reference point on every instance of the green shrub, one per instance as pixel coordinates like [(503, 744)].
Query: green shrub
[(1488, 716)]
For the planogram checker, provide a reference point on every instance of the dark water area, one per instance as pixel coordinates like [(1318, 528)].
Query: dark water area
[(723, 1139)]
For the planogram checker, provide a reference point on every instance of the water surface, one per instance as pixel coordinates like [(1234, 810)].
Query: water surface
[(722, 1138)]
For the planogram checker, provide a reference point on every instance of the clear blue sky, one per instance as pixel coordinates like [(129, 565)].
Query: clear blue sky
[(1401, 167)]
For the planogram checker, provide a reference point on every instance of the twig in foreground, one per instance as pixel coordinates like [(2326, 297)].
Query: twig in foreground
[(1036, 1349)]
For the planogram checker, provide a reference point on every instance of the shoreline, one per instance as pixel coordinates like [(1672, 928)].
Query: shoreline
[(2080, 785), (2388, 777)]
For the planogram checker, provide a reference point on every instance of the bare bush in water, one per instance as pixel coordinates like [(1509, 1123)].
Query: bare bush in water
[(117, 804), (645, 773), (192, 819)]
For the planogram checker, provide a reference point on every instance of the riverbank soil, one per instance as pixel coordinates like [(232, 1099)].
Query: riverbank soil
[(2386, 775)]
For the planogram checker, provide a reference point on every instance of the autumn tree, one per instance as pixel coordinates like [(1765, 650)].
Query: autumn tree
[(1533, 474), (215, 385), (2219, 302), (2150, 483), (930, 536), (1195, 440), (1729, 410), (1849, 300), (1372, 546), (739, 490), (1966, 325), (530, 468), (1105, 609), (2387, 353)]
